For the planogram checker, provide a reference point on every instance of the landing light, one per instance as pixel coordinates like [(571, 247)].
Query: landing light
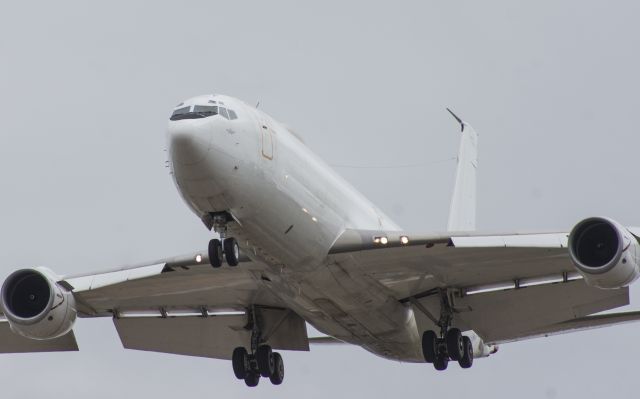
[(198, 258), (404, 240), (315, 219), (384, 240)]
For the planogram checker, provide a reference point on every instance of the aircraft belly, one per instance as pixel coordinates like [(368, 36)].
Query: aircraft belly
[(352, 308)]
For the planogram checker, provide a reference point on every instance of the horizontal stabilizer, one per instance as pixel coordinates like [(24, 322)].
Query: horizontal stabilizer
[(326, 340), (584, 324), (11, 342)]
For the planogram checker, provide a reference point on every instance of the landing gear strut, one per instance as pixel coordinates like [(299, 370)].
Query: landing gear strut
[(225, 247), (450, 344), (261, 362)]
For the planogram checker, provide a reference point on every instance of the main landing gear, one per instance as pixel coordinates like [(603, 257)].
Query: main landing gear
[(225, 247), (261, 362), (450, 344)]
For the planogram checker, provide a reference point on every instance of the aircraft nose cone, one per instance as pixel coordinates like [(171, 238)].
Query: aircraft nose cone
[(188, 142)]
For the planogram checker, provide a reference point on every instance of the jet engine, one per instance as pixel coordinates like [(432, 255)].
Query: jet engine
[(36, 306), (605, 253)]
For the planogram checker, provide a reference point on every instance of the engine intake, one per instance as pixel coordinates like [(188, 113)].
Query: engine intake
[(36, 306), (605, 253)]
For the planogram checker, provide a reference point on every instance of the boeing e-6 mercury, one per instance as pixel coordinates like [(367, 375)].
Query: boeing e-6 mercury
[(295, 243)]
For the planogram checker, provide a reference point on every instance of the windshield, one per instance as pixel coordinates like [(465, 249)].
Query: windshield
[(181, 111), (202, 111), (206, 110)]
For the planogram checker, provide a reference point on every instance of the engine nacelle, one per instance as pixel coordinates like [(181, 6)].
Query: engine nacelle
[(605, 253), (36, 306)]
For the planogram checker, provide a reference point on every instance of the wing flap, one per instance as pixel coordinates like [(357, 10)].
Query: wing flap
[(213, 336), (507, 315), (11, 342)]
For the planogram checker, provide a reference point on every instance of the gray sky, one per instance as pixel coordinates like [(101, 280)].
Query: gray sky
[(86, 89)]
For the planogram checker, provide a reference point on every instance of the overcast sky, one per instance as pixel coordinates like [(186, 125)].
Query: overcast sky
[(85, 93)]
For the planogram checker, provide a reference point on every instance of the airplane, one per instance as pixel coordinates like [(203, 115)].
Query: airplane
[(294, 243)]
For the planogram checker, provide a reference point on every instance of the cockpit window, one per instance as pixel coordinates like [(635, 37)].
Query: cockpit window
[(201, 111), (206, 110), (223, 112), (181, 111)]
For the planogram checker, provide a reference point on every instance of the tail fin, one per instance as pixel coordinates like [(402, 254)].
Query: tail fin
[(462, 214)]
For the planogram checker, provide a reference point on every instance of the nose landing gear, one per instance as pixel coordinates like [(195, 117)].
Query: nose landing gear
[(231, 251), (225, 247), (228, 249)]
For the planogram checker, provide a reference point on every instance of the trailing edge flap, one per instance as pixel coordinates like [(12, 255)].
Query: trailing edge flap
[(212, 336), (514, 314), (11, 342), (462, 214)]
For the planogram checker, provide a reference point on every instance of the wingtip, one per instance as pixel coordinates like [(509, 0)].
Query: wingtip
[(460, 121)]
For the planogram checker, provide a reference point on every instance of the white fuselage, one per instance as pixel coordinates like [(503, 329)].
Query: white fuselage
[(290, 207)]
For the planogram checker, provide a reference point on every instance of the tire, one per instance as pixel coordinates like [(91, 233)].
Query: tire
[(240, 362), (252, 379), (466, 361), (429, 346), (441, 362), (264, 357), (453, 340), (231, 251), (278, 371), (215, 253)]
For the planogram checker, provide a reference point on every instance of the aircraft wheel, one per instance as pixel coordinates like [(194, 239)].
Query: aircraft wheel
[(252, 379), (441, 362), (466, 361), (429, 346), (240, 362), (454, 343), (215, 253), (264, 357), (231, 251), (278, 371)]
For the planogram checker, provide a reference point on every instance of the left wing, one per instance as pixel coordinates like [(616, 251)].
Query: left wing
[(504, 287)]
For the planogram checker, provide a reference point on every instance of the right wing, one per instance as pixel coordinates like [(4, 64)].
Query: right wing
[(175, 285), (183, 306)]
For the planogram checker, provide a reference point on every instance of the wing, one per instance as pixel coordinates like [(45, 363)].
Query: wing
[(184, 306), (504, 287), (177, 285)]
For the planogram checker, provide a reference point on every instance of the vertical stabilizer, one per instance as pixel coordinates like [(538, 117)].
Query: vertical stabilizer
[(462, 214)]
